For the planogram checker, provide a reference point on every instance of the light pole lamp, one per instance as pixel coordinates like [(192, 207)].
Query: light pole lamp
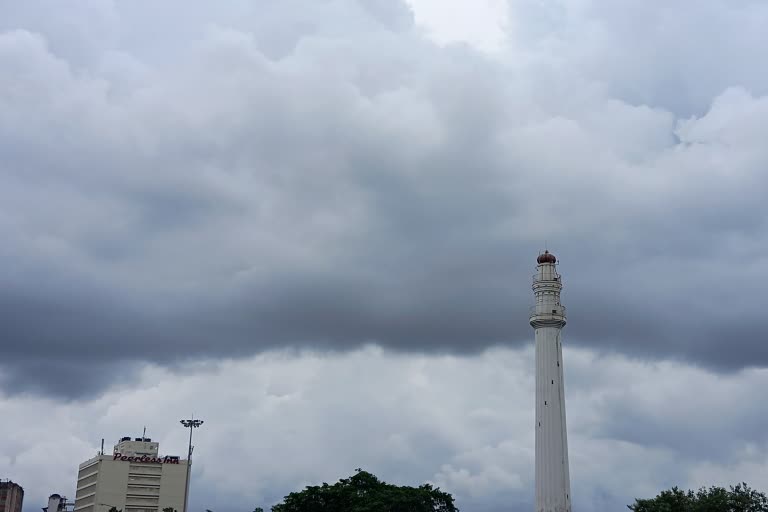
[(191, 424)]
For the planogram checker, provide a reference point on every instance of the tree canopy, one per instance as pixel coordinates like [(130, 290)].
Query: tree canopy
[(739, 498), (364, 492)]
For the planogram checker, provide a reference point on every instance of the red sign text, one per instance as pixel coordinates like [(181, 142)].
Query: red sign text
[(144, 458)]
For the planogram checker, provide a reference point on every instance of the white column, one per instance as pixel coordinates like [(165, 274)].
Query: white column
[(553, 493)]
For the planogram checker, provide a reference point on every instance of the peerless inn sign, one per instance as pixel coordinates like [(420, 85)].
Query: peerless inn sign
[(151, 460)]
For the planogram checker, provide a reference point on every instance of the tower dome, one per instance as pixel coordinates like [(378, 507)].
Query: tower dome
[(547, 257)]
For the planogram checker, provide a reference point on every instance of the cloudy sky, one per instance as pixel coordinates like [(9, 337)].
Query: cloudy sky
[(312, 223)]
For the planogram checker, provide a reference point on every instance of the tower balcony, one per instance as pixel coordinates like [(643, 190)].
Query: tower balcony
[(550, 277), (544, 312)]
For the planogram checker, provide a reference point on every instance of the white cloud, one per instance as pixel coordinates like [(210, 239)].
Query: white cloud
[(478, 23), (279, 421)]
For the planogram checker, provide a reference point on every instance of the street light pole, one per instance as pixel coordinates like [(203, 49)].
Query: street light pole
[(190, 424)]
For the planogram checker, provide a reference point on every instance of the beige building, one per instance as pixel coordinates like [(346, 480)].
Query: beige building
[(134, 478)]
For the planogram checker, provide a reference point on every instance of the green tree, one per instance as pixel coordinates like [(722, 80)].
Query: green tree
[(739, 498), (363, 492), (258, 509)]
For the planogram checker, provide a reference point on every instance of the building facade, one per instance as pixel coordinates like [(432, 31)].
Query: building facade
[(134, 478), (553, 485), (11, 496)]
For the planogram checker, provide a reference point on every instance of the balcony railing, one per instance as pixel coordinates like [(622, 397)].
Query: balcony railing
[(555, 310), (537, 278)]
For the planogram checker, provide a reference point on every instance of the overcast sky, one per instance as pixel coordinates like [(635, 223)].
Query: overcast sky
[(313, 224)]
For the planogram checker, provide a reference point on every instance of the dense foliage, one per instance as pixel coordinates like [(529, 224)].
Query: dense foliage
[(739, 498), (363, 492)]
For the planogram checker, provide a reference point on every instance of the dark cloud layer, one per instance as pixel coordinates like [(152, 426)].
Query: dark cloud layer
[(180, 183)]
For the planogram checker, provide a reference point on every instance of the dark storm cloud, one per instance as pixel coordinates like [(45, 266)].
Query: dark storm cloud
[(67, 378), (327, 178)]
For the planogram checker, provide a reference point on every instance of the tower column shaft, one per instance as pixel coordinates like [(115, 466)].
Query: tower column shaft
[(553, 485), (552, 475)]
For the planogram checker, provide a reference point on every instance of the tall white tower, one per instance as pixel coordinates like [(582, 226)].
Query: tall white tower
[(553, 484)]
